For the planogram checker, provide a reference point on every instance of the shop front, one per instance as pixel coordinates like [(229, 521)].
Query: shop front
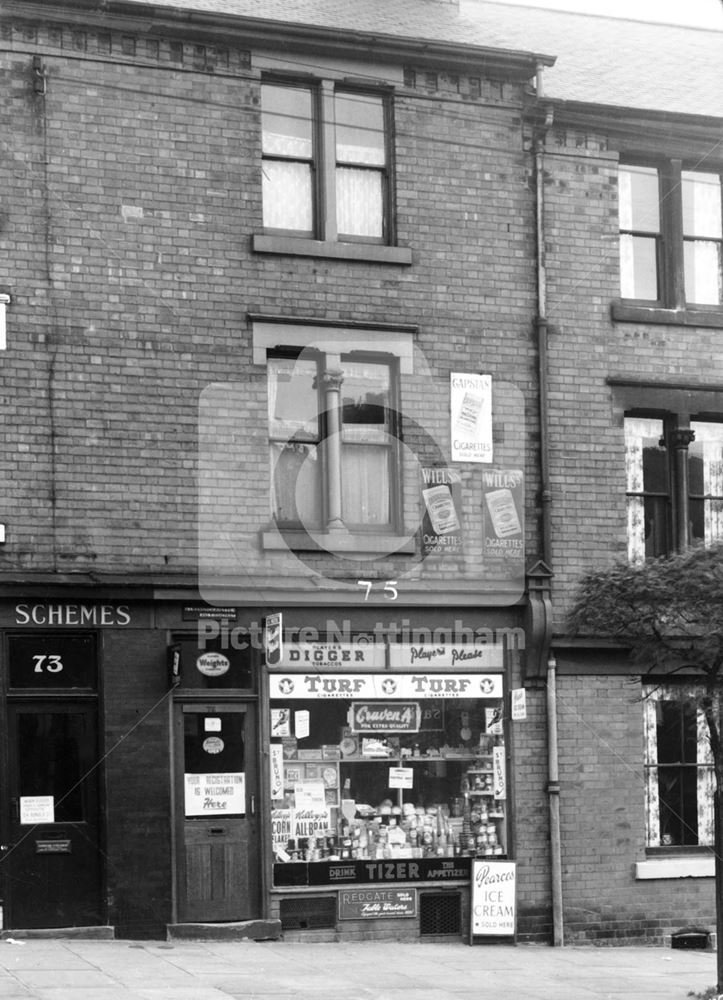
[(159, 772), (388, 777)]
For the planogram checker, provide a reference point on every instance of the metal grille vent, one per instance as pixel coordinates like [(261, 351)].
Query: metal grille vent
[(440, 913), (304, 913)]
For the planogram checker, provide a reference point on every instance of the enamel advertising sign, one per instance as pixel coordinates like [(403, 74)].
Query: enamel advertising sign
[(471, 417), (380, 686)]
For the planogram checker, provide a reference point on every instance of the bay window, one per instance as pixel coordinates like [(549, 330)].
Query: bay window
[(332, 433), (674, 472)]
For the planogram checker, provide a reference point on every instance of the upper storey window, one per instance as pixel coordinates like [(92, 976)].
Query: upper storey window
[(325, 162), (674, 484), (671, 237)]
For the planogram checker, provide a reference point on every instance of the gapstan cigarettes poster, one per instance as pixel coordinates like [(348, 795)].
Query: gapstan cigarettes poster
[(471, 417)]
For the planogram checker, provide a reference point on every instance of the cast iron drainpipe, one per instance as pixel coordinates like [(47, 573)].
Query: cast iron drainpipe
[(553, 777)]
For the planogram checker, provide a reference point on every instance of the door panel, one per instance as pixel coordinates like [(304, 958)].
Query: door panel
[(52, 866), (216, 750)]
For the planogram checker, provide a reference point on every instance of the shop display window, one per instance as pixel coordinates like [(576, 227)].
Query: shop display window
[(368, 780)]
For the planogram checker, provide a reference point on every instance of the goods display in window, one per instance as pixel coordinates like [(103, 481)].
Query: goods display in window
[(434, 790)]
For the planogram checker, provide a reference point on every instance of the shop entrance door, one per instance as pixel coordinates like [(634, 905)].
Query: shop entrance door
[(218, 830), (51, 855)]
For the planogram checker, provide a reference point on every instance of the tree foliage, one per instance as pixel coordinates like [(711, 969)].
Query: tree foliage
[(668, 611)]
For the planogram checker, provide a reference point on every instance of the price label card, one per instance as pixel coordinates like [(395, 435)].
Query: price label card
[(401, 777), (518, 698)]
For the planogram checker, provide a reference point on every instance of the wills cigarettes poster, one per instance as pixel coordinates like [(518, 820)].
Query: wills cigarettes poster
[(442, 506), (503, 536)]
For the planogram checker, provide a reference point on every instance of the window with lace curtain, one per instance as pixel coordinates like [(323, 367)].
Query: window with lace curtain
[(325, 162), (332, 420), (679, 779), (671, 236), (674, 474)]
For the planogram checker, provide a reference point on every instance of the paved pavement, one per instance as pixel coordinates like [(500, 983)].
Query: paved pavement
[(247, 970)]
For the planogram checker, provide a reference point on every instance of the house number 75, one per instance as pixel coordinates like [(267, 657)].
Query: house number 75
[(47, 662), (390, 589)]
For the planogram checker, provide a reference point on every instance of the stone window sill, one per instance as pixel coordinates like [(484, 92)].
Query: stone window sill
[(623, 312), (295, 246), (676, 867), (322, 541)]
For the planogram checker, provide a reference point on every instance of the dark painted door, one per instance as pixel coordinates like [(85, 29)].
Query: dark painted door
[(218, 826), (51, 857)]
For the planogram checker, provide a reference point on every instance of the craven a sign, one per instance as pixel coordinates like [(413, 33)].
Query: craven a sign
[(385, 717)]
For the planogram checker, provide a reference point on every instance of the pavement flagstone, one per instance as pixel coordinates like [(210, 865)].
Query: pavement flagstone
[(69, 969)]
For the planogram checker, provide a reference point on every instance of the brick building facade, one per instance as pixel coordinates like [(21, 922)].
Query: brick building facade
[(253, 260)]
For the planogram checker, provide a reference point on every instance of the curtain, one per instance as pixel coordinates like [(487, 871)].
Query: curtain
[(359, 202), (365, 485), (287, 196), (709, 442)]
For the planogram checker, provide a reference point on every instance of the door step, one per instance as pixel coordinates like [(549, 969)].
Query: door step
[(84, 933), (242, 930)]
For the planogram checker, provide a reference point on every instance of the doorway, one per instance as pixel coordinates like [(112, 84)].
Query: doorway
[(217, 827), (51, 852)]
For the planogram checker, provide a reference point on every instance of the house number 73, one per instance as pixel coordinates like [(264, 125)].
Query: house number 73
[(49, 662)]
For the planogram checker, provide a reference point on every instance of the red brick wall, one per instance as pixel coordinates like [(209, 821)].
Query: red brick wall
[(129, 264), (602, 810)]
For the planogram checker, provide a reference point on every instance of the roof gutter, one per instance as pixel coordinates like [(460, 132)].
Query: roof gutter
[(510, 63)]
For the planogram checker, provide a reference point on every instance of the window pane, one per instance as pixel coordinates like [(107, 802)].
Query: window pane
[(646, 474), (287, 196), (678, 792), (286, 121), (365, 399), (705, 473), (701, 205), (365, 485), (646, 463), (639, 267), (359, 129), (56, 752), (365, 394), (360, 202), (293, 399), (639, 198), (296, 476), (702, 266)]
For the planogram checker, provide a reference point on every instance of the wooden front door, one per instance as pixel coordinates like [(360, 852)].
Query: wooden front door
[(51, 860), (217, 830)]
